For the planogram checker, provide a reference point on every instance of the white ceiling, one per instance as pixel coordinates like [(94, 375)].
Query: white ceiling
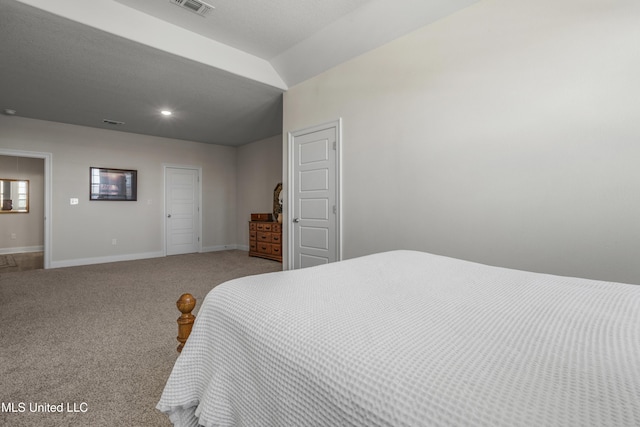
[(260, 28), (79, 62)]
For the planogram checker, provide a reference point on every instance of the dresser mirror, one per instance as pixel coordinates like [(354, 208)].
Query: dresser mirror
[(277, 200), (14, 196)]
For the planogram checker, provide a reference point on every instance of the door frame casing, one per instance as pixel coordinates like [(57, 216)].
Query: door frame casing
[(166, 166), (290, 240), (48, 187)]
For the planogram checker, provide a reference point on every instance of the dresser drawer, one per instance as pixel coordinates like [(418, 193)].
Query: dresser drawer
[(275, 238), (264, 237), (276, 249), (264, 248), (276, 228), (253, 246), (253, 235), (263, 226), (253, 226)]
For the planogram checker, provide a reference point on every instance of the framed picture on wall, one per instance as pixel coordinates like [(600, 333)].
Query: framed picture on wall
[(113, 184)]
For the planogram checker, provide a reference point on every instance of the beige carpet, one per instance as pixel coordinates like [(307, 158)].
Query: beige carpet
[(100, 338)]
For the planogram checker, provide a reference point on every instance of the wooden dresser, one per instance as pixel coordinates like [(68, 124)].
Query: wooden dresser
[(265, 240)]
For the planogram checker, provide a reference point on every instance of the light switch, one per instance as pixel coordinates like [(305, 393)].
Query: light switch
[(73, 201)]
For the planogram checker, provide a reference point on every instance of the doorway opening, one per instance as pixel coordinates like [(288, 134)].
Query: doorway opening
[(40, 189)]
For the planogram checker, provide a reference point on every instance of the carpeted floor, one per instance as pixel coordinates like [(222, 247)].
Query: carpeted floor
[(100, 339)]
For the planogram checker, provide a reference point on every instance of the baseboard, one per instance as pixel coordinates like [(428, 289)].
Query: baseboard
[(225, 248), (104, 260), (21, 250), (127, 257)]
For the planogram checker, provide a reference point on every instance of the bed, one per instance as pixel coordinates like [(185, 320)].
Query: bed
[(407, 338)]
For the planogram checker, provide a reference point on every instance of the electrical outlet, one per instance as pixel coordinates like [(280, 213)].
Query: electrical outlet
[(73, 201), (13, 236), (114, 242)]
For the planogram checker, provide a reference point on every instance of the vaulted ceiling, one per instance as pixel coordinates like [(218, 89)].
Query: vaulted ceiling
[(114, 64)]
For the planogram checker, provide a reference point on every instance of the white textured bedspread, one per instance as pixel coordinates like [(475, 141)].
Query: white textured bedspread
[(408, 338)]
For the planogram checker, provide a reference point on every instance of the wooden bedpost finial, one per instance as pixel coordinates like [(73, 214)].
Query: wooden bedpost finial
[(186, 303)]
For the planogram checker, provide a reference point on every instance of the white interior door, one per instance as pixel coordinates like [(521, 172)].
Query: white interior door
[(314, 227), (182, 208)]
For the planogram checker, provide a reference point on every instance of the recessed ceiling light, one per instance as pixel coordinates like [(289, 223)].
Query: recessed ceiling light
[(166, 112)]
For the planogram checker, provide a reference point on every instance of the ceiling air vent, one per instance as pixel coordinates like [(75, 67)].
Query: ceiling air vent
[(195, 6), (112, 122)]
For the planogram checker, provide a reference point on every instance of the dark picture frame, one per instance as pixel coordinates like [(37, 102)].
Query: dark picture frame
[(113, 184)]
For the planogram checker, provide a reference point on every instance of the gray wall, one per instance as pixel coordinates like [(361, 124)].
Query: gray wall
[(259, 171), (82, 233), (28, 228), (506, 134)]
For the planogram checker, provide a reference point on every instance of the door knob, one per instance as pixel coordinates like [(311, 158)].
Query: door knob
[(296, 220)]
